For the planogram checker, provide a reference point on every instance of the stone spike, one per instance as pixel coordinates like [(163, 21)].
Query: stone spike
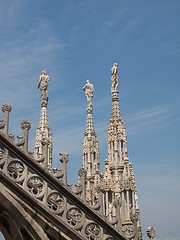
[(118, 179), (89, 121), (90, 151), (43, 129)]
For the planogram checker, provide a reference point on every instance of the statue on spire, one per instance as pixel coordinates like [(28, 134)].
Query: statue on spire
[(43, 84), (114, 78), (89, 91)]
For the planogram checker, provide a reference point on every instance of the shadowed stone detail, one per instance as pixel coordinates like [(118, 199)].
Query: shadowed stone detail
[(110, 238), (128, 230), (55, 201), (74, 216), (92, 231), (16, 170), (2, 152), (35, 186), (45, 141)]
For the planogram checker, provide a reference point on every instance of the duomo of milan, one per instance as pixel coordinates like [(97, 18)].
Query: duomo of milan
[(36, 202)]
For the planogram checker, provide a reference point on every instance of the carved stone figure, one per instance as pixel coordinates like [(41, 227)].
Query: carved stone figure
[(89, 90), (114, 78), (136, 200), (112, 210), (43, 84)]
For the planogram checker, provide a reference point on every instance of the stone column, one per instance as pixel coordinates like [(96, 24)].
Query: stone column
[(120, 153), (128, 212), (112, 150)]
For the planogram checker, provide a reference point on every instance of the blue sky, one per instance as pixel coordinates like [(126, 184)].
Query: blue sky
[(76, 40)]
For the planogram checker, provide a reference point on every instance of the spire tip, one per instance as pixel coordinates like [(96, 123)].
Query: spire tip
[(89, 91), (43, 84), (114, 78)]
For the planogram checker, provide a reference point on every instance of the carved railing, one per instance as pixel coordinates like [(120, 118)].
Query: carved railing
[(47, 189)]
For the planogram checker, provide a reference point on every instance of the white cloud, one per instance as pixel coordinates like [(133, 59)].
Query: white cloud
[(9, 12), (22, 60), (149, 119), (152, 112), (68, 141), (113, 21), (144, 120)]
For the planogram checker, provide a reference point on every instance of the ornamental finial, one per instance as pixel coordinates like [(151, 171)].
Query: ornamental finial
[(150, 231), (6, 107), (43, 84), (114, 78), (89, 91)]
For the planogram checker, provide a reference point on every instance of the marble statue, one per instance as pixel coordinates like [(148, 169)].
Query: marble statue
[(114, 78), (89, 90), (43, 84), (136, 200)]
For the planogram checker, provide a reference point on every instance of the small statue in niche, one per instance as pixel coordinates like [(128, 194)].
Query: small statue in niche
[(112, 210), (43, 84), (136, 200), (114, 78), (89, 91)]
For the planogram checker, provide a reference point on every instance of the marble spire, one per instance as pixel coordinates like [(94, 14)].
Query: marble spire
[(90, 152), (43, 133), (118, 178), (117, 151)]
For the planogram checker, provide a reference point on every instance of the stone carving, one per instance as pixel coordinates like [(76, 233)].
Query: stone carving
[(92, 231), (43, 84), (45, 141), (89, 90), (134, 217), (4, 124), (128, 230), (136, 200), (112, 210), (74, 216), (25, 124), (82, 172), (95, 196), (55, 201), (35, 186), (150, 231), (57, 173), (6, 107), (1, 152), (114, 78), (2, 156), (110, 238), (15, 169), (64, 157)]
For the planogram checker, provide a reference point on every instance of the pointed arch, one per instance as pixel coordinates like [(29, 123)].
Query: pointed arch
[(15, 222)]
